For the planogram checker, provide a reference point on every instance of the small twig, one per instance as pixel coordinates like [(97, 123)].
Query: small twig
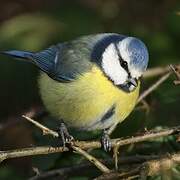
[(176, 82), (34, 112), (157, 71), (92, 159), (160, 81), (36, 171), (45, 130), (117, 175), (176, 71), (143, 172), (113, 175), (133, 177), (73, 169), (115, 156), (153, 87), (147, 136)]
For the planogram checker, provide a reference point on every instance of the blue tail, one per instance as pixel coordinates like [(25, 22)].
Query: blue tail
[(18, 54), (44, 60)]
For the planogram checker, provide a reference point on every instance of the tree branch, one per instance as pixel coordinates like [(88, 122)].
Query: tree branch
[(122, 161), (47, 131), (153, 87), (86, 144), (148, 168), (32, 151), (157, 71)]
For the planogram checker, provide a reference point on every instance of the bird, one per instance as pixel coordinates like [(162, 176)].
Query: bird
[(91, 82)]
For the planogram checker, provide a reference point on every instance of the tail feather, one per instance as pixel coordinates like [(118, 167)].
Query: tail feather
[(18, 54), (44, 60)]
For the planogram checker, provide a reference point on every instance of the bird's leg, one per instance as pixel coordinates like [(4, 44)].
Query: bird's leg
[(106, 140), (64, 134)]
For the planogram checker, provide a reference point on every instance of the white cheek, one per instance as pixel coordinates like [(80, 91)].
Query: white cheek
[(112, 67)]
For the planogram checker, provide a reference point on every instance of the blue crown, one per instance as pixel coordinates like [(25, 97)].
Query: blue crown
[(137, 52)]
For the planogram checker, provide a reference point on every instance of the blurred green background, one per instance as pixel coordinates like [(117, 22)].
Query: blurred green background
[(36, 24)]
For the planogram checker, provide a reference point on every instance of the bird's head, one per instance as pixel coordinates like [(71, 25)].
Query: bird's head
[(124, 62)]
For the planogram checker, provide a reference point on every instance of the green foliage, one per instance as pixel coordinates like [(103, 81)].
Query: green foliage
[(7, 173)]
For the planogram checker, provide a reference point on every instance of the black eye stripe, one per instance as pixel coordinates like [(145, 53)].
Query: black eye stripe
[(123, 63)]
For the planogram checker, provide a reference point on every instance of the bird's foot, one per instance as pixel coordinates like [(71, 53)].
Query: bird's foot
[(65, 136), (106, 141)]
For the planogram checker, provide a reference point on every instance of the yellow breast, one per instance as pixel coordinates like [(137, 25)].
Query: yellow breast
[(82, 102)]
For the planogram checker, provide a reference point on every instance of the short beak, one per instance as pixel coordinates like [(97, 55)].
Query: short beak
[(130, 85), (133, 81)]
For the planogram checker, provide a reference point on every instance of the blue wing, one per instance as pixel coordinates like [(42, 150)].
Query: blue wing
[(56, 61), (64, 62)]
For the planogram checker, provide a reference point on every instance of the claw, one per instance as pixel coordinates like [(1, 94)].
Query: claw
[(64, 134), (106, 141)]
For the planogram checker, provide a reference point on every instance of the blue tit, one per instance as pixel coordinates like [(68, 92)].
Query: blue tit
[(90, 83)]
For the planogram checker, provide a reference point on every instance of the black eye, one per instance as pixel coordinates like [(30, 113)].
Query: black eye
[(124, 64)]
